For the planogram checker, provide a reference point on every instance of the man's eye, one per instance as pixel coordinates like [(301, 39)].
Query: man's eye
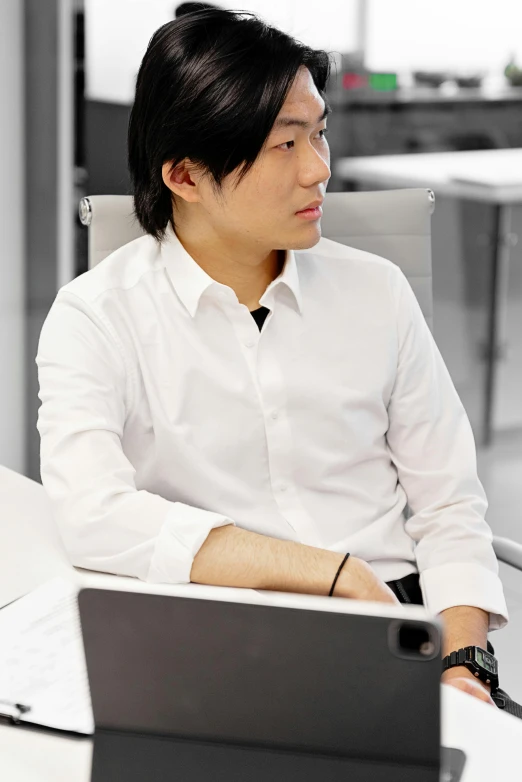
[(324, 131)]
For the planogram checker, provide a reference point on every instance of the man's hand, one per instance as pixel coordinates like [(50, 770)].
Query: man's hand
[(358, 581), (464, 680)]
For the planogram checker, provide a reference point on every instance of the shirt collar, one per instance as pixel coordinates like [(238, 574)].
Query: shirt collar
[(191, 281)]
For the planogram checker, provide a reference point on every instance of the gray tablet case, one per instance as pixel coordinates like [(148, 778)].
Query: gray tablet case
[(190, 689)]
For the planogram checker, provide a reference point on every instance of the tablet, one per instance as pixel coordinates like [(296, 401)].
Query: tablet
[(208, 689)]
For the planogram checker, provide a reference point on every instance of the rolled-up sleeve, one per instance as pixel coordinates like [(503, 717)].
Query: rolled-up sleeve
[(105, 522), (432, 445)]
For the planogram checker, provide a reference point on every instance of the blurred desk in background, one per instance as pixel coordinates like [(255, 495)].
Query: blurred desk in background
[(489, 176), (420, 94)]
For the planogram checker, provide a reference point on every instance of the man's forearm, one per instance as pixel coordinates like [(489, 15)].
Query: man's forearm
[(464, 626), (231, 556)]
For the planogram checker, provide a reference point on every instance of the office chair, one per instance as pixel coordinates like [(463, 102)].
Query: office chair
[(395, 224)]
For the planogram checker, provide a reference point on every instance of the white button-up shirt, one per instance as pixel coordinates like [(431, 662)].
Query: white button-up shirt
[(166, 412)]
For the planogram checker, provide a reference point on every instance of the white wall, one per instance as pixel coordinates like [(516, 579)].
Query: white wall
[(12, 255), (118, 32), (443, 34)]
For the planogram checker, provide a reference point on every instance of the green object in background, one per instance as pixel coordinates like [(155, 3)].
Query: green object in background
[(512, 73), (383, 81)]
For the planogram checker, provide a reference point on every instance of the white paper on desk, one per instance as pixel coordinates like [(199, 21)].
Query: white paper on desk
[(42, 661)]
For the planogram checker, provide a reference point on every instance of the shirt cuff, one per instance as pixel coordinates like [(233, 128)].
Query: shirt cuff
[(183, 533), (465, 584)]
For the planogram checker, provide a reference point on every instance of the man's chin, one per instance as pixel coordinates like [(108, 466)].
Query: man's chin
[(306, 239)]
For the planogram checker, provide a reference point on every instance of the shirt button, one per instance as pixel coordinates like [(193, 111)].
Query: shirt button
[(283, 487), (250, 344), (275, 414)]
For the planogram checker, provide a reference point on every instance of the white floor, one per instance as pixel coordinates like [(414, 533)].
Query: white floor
[(500, 470)]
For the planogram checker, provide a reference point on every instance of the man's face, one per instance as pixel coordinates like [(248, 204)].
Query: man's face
[(291, 171)]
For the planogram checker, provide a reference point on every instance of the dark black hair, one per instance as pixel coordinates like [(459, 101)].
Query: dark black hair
[(190, 7), (209, 88)]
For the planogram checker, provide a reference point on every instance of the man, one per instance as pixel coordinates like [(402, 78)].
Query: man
[(234, 400)]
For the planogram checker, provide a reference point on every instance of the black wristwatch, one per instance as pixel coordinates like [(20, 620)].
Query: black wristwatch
[(481, 663)]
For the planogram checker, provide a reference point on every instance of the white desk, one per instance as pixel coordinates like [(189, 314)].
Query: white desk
[(494, 177), (31, 553)]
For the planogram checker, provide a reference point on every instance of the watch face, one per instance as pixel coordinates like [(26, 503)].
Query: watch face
[(486, 660)]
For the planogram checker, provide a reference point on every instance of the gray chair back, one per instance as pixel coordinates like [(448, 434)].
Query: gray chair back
[(395, 224)]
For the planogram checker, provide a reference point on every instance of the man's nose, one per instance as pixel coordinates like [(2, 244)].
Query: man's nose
[(315, 168)]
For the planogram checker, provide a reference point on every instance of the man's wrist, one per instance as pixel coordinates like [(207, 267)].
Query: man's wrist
[(297, 567), (461, 671), (344, 560), (345, 585), (464, 626), (332, 564)]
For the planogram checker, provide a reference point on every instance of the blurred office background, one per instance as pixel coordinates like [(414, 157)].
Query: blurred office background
[(409, 78)]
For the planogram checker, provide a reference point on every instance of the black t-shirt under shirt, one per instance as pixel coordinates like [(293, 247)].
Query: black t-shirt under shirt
[(259, 316)]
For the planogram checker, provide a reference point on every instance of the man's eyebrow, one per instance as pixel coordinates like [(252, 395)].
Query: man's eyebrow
[(285, 122)]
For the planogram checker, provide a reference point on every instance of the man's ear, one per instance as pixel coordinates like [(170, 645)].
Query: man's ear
[(183, 180)]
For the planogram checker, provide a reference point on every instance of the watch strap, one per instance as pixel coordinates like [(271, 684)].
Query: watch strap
[(458, 657)]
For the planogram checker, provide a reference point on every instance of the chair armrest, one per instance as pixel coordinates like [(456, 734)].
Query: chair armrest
[(508, 551)]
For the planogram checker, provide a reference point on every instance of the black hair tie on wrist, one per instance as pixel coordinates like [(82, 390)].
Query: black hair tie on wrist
[(337, 575)]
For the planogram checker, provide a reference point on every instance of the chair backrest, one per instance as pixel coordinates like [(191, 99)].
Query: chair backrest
[(395, 224)]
